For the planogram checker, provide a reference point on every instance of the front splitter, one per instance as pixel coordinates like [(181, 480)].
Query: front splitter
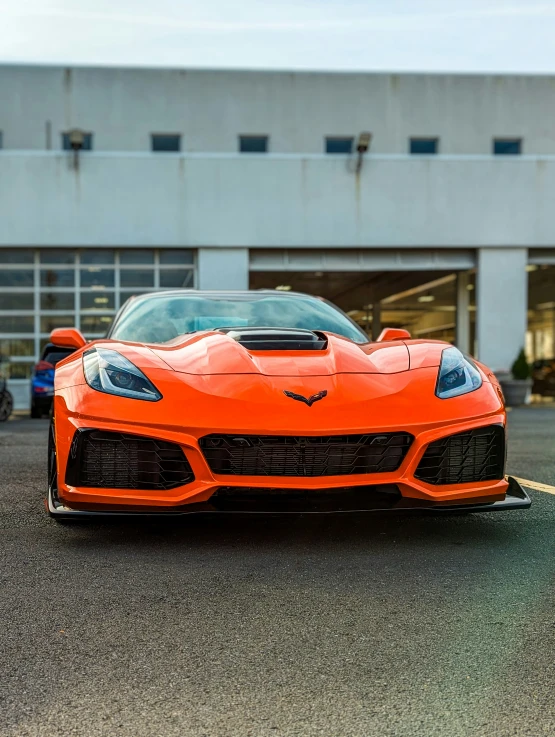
[(515, 498)]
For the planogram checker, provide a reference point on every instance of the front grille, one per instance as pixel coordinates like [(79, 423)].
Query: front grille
[(121, 461), (336, 455), (476, 455)]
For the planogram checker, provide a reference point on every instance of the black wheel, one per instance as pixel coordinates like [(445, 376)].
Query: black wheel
[(53, 476), (6, 405), (36, 412), (52, 465), (53, 470)]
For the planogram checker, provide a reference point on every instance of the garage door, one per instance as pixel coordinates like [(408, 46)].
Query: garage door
[(361, 259)]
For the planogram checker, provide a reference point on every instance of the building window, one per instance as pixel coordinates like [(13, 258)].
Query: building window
[(166, 142), (16, 256), (253, 144), (339, 145), (18, 278), (51, 300), (41, 289), (133, 256), (176, 278), (53, 277), (94, 256), (177, 256), (87, 142), (136, 278), (97, 278), (57, 256), (423, 146), (507, 146), (95, 300), (16, 302)]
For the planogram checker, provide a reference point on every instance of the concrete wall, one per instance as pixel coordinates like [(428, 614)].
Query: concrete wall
[(295, 197), (122, 107), (223, 268), (234, 200), (501, 303)]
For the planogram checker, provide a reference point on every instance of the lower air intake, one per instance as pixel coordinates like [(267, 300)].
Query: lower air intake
[(120, 461), (285, 455), (272, 500), (476, 455)]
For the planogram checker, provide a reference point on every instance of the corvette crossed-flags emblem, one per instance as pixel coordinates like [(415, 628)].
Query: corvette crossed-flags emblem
[(307, 400)]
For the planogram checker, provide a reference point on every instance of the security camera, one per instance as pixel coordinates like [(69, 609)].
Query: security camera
[(76, 138), (363, 143), (76, 141)]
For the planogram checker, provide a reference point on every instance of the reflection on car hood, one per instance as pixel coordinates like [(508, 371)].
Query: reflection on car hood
[(215, 353)]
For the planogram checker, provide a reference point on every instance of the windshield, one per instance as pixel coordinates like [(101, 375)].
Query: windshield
[(162, 317)]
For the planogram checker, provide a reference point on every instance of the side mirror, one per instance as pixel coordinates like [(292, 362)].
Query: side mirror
[(393, 334), (67, 338)]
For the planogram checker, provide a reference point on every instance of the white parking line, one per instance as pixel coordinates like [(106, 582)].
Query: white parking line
[(537, 486)]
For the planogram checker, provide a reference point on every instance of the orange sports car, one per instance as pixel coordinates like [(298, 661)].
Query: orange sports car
[(267, 401)]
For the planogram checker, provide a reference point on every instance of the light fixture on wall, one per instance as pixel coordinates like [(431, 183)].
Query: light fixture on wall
[(363, 144), (426, 298), (284, 288), (76, 141)]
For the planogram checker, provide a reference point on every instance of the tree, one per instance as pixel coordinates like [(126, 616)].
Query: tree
[(521, 368)]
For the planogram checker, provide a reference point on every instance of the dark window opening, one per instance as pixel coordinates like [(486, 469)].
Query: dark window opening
[(335, 145), (423, 146), (166, 142), (507, 146), (87, 142), (253, 144)]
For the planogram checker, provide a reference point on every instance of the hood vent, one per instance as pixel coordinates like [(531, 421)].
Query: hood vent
[(277, 339)]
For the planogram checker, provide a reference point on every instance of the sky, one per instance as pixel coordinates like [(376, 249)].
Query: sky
[(394, 35)]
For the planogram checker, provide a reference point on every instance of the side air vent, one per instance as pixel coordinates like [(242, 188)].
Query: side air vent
[(475, 455), (117, 460), (277, 339)]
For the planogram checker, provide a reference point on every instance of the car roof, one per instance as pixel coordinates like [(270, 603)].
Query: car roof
[(236, 293)]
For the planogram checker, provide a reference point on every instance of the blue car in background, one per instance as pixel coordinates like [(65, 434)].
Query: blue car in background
[(42, 379)]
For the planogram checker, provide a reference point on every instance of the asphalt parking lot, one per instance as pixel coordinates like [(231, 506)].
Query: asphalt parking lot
[(332, 626)]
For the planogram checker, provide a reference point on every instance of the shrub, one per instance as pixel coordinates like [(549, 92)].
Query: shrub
[(521, 368)]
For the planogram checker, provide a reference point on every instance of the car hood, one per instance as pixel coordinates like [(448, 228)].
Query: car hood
[(217, 353)]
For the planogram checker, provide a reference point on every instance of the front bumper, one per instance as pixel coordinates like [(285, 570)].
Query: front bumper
[(515, 498), (394, 410)]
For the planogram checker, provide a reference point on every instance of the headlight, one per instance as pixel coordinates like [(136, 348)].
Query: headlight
[(110, 372), (457, 375)]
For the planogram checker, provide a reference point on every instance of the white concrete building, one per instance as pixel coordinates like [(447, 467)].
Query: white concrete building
[(229, 179)]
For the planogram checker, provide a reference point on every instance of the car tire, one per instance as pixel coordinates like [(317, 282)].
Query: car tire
[(6, 405), (36, 412), (53, 475)]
